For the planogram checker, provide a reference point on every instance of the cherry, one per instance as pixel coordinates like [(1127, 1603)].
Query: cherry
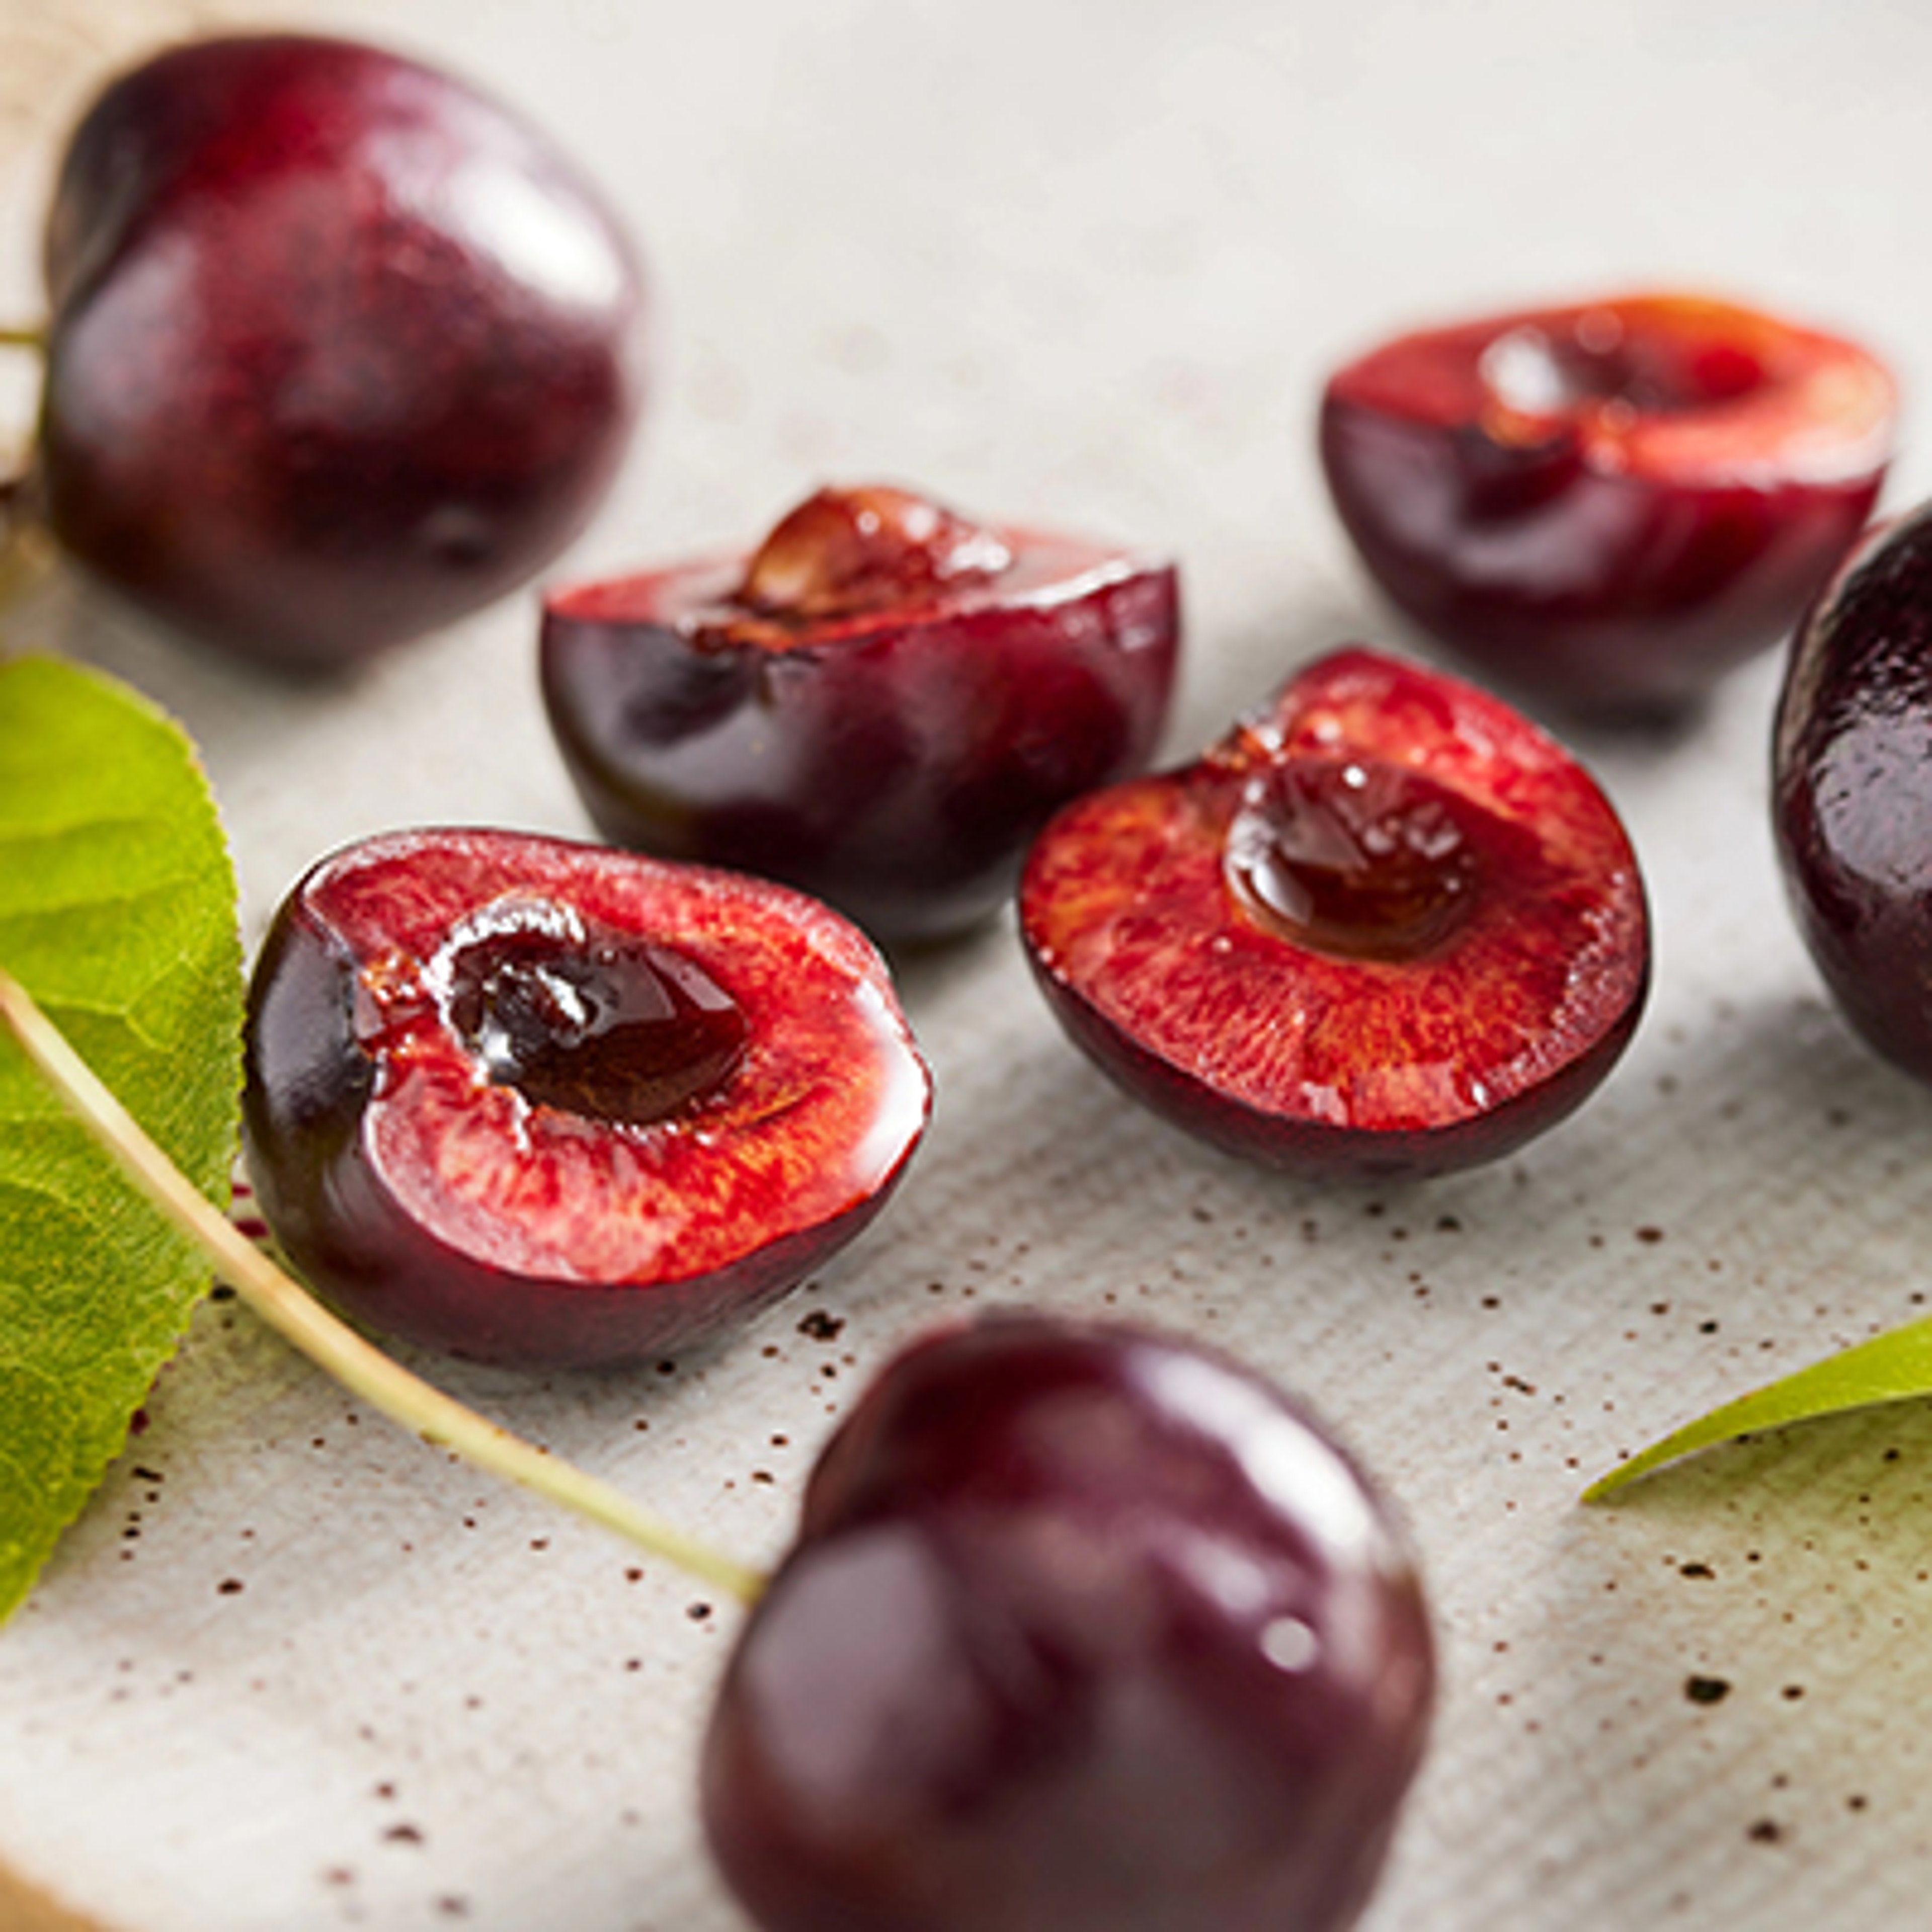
[(1851, 800), (881, 705), (1085, 1630), (1608, 505), (536, 1102), (1385, 926), (339, 350)]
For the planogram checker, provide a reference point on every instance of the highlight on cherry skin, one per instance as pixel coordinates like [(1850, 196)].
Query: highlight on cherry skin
[(1385, 927), (1851, 795), (1086, 1629), (1608, 505), (540, 1103), (339, 350), (881, 703)]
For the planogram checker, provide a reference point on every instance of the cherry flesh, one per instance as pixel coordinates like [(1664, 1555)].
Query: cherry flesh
[(1852, 798), (538, 1103), (881, 705), (1085, 1630), (1609, 505), (1385, 927), (340, 350)]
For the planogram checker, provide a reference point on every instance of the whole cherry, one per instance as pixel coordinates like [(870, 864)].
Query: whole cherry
[(1610, 504), (881, 704), (1385, 927), (536, 1102), (339, 349), (1851, 799), (1086, 1629)]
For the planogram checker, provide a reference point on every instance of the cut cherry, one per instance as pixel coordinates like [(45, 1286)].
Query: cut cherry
[(536, 1102), (1086, 1630), (1385, 927), (881, 705), (1853, 788), (340, 350), (1608, 505)]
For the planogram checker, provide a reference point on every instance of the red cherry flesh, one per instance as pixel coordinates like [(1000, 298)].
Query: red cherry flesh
[(1385, 927)]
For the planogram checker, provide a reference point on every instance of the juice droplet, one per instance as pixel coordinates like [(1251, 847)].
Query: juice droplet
[(615, 1029), (1353, 857)]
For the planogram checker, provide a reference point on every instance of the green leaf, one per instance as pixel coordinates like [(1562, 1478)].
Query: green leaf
[(1893, 1367), (118, 913)]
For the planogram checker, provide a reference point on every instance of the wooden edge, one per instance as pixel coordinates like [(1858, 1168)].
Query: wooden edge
[(25, 1907)]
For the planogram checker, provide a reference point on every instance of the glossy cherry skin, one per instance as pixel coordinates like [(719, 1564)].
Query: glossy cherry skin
[(1385, 927), (881, 707), (1085, 1630), (1610, 505), (1852, 788), (340, 350), (542, 1104)]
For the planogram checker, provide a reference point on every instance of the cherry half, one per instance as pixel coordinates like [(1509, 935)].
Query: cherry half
[(1385, 926), (1608, 505), (1085, 1630), (1852, 790), (339, 350), (882, 704), (538, 1103)]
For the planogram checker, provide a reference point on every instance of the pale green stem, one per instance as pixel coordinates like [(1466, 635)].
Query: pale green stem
[(331, 1345)]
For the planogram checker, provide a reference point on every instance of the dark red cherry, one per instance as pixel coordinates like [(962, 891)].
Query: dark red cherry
[(340, 350), (1609, 505), (1385, 926), (1853, 788), (1086, 1630), (536, 1102), (882, 704)]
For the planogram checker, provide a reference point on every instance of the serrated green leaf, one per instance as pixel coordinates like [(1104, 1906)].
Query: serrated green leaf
[(118, 913), (1893, 1367)]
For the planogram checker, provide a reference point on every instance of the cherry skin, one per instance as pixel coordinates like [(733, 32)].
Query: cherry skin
[(538, 1103), (1085, 1630), (1610, 505), (881, 705), (1851, 802), (1385, 927), (340, 350)]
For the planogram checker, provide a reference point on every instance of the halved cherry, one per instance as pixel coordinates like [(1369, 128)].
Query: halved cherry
[(1611, 504), (882, 704), (1385, 926), (541, 1103)]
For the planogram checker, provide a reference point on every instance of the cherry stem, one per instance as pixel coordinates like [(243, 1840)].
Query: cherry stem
[(330, 1344)]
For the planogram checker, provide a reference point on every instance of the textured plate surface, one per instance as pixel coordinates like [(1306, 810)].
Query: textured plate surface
[(1088, 263)]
